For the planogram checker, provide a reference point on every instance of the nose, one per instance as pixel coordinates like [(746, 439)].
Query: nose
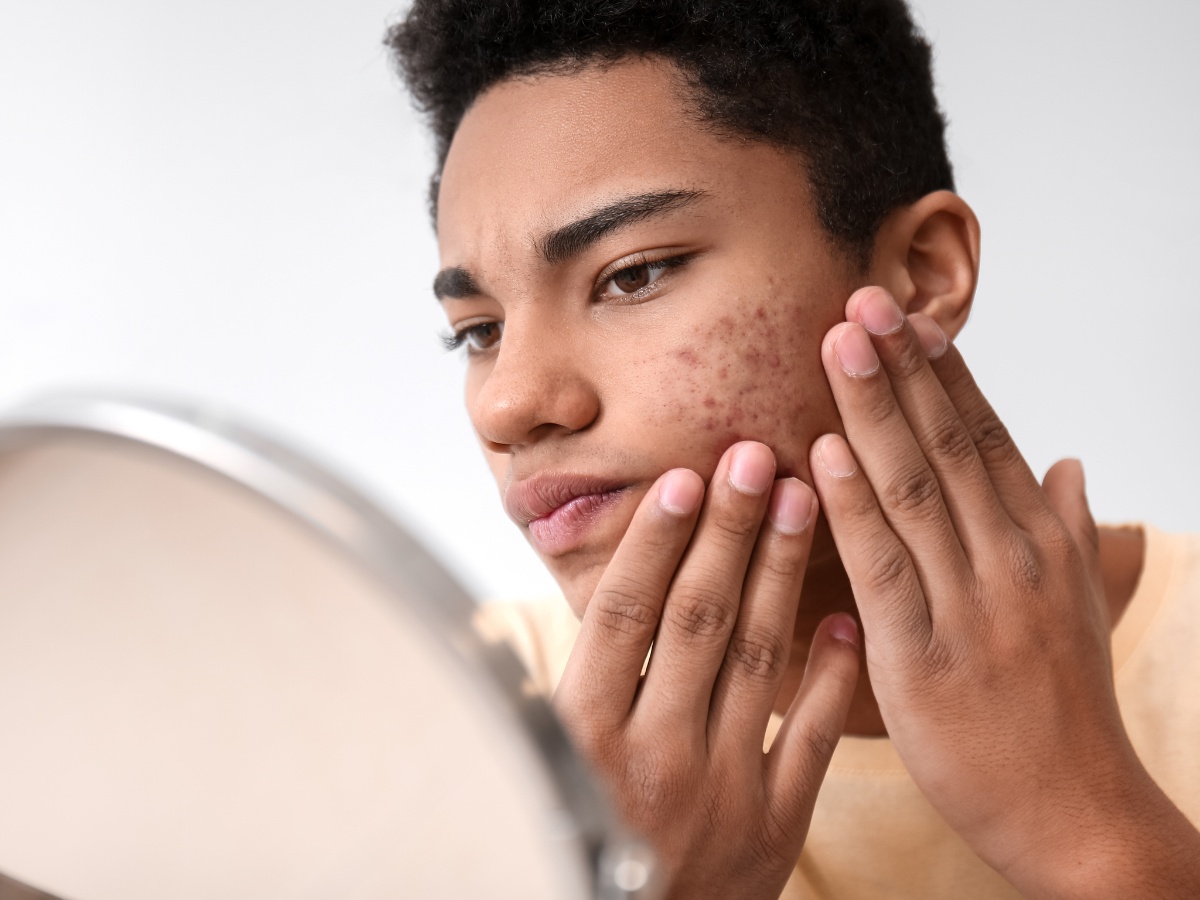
[(536, 388)]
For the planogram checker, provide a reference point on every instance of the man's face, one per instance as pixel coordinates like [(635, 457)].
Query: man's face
[(663, 293)]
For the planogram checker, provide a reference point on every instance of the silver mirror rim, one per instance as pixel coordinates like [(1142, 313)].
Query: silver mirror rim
[(352, 524)]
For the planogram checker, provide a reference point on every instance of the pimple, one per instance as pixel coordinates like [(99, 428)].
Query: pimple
[(710, 402), (773, 361)]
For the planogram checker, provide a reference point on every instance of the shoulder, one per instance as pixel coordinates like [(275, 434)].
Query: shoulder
[(541, 631)]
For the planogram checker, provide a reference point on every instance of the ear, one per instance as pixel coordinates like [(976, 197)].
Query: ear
[(927, 255)]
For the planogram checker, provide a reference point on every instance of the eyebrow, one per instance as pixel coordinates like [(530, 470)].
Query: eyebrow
[(568, 241), (455, 282)]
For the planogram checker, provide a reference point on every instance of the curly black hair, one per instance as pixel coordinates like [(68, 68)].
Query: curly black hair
[(845, 83)]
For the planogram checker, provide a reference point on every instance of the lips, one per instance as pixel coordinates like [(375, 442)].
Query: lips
[(559, 510)]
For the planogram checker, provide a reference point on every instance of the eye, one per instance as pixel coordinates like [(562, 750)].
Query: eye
[(478, 338), (632, 279), (483, 336)]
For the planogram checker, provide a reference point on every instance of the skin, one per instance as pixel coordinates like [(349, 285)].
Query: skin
[(706, 399)]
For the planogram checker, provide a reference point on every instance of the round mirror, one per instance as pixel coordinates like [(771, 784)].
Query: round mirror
[(224, 673)]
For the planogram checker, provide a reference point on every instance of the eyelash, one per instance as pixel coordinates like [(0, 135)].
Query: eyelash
[(454, 340), (637, 262)]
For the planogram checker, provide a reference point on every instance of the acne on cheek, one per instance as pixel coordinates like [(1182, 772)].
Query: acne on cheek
[(740, 378)]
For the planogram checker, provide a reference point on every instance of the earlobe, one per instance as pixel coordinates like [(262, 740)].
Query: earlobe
[(927, 255)]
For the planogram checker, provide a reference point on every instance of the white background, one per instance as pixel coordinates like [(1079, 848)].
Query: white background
[(226, 201)]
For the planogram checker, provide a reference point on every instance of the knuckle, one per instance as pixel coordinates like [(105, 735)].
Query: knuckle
[(914, 492), (761, 657), (819, 744), (888, 569), (780, 568), (878, 405), (621, 609), (658, 780), (700, 614), (908, 357), (732, 529), (1025, 567), (992, 439), (951, 443)]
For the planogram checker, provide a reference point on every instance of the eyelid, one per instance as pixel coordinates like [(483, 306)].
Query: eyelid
[(669, 259), (641, 258), (457, 336)]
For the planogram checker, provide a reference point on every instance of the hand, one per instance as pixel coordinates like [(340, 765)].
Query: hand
[(681, 749), (987, 638)]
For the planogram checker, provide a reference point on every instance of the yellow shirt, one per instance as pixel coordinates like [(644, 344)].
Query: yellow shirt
[(873, 834)]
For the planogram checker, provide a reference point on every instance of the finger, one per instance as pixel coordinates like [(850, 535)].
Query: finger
[(810, 732), (907, 489), (702, 604), (758, 650), (1013, 480), (601, 677), (1066, 490), (886, 588), (975, 510)]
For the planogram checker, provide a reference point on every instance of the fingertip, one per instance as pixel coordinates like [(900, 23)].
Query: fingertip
[(832, 336), (855, 304), (1065, 472), (750, 467), (793, 506), (680, 491), (834, 456), (842, 627), (933, 340)]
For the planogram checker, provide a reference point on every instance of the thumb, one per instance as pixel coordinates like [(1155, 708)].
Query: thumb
[(1065, 489), (813, 725)]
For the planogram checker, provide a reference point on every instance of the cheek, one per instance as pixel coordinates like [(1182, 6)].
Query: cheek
[(753, 374)]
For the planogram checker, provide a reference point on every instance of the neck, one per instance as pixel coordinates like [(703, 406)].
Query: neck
[(827, 590)]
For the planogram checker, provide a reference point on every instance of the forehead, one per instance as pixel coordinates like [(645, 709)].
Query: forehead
[(533, 152)]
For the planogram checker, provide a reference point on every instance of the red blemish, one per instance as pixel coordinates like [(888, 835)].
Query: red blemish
[(688, 357), (710, 402), (773, 360), (723, 373)]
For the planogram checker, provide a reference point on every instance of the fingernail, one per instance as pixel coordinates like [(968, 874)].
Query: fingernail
[(843, 627), (752, 468), (679, 492), (933, 339), (855, 353), (878, 312), (792, 505), (834, 454)]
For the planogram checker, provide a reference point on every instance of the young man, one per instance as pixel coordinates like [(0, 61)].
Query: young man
[(706, 258)]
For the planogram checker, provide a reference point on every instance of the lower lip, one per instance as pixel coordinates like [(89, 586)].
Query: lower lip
[(566, 527)]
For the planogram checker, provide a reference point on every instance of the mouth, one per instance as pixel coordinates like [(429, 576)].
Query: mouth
[(560, 510)]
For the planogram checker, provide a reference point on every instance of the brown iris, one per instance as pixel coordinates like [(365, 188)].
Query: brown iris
[(632, 279), (484, 336)]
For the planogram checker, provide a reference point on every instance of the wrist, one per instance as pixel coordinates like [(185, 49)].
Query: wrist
[(1125, 839)]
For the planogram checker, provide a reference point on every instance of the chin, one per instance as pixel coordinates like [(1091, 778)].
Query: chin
[(578, 573)]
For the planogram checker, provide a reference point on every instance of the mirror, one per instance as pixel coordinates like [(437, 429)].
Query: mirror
[(223, 672)]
